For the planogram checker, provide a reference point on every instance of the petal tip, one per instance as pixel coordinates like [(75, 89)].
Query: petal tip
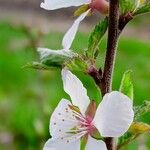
[(42, 5)]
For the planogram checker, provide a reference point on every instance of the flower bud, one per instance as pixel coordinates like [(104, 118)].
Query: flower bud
[(100, 5)]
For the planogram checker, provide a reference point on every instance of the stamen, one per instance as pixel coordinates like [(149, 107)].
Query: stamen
[(79, 116), (79, 130)]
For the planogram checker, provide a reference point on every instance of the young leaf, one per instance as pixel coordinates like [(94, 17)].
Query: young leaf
[(145, 8), (96, 36), (55, 58), (127, 6), (126, 86)]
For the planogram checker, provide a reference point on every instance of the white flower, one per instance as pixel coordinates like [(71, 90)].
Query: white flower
[(72, 120), (66, 42), (56, 4)]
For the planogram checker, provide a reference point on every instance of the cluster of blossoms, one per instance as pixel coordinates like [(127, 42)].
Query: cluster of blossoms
[(80, 118)]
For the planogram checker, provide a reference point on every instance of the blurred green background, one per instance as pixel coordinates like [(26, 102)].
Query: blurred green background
[(28, 97)]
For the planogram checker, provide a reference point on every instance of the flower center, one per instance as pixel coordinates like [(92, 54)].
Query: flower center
[(84, 124), (88, 125)]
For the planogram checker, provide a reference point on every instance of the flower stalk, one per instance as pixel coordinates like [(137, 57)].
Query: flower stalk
[(111, 46)]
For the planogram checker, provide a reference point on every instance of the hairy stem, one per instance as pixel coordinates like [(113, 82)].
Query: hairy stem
[(111, 46)]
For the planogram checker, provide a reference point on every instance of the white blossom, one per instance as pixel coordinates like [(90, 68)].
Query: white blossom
[(70, 121)]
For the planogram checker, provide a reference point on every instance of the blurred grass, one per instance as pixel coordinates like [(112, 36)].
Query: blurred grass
[(27, 97)]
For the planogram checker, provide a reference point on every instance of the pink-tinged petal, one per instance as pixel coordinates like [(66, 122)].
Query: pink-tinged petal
[(93, 144), (70, 35), (57, 4), (52, 144), (114, 115), (74, 87)]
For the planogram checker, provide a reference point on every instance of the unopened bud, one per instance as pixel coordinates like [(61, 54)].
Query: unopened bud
[(100, 5)]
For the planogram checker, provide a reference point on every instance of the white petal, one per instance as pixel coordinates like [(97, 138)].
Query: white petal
[(114, 115), (58, 145), (74, 87), (44, 52), (70, 35), (93, 144), (56, 4), (62, 120)]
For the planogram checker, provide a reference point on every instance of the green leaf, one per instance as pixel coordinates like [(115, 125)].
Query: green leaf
[(77, 64), (126, 86), (127, 6), (145, 8), (55, 58), (96, 37), (37, 65), (141, 110)]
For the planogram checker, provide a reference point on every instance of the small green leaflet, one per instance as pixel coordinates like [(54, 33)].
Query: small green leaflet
[(126, 86), (127, 6), (145, 8), (96, 36)]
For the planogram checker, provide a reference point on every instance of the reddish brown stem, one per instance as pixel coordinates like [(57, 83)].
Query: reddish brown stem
[(111, 46)]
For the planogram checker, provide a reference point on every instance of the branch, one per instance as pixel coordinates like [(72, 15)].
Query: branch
[(123, 20), (110, 57)]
